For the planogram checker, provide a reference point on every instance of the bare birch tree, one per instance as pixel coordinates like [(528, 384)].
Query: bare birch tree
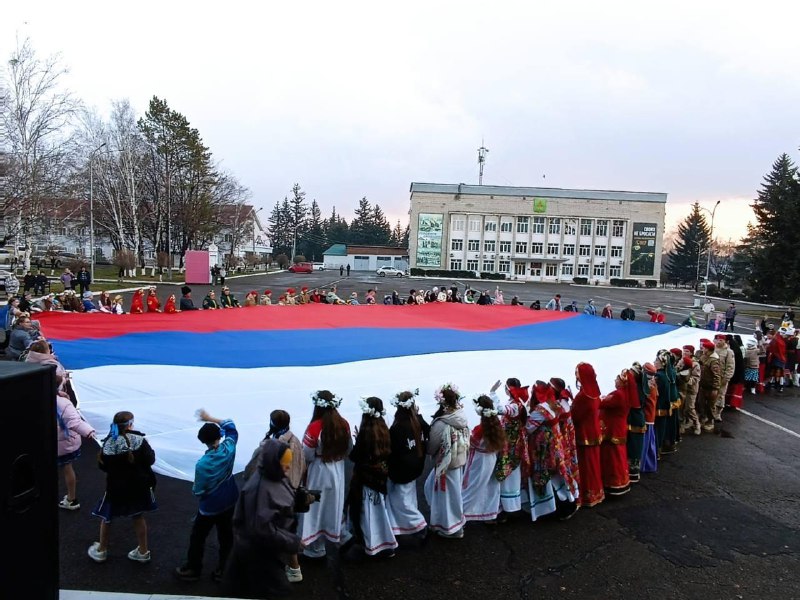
[(37, 116)]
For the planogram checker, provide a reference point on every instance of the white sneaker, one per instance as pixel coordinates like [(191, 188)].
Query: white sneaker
[(68, 504), (95, 554), (138, 556), (294, 575)]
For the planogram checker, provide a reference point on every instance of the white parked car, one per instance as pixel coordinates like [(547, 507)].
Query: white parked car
[(319, 266), (391, 271)]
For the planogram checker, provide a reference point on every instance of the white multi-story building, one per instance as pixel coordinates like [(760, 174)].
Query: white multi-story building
[(537, 234)]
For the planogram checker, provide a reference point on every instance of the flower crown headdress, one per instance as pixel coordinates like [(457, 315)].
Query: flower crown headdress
[(407, 404), (369, 411), (482, 410), (439, 393), (334, 402)]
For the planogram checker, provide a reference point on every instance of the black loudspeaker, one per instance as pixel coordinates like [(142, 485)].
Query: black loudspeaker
[(29, 481)]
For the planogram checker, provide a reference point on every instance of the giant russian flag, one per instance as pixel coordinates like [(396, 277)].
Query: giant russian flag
[(244, 363)]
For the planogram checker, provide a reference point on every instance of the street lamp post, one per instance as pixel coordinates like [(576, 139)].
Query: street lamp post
[(91, 209), (710, 244)]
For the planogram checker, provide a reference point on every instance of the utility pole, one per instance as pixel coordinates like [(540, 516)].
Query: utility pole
[(482, 152)]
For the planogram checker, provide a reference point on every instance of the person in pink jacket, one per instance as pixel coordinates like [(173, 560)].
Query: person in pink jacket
[(71, 429)]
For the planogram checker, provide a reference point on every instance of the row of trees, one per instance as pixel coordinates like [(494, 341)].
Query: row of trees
[(152, 179), (766, 263), (298, 229)]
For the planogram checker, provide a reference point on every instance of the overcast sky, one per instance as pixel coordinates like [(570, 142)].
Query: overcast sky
[(353, 99)]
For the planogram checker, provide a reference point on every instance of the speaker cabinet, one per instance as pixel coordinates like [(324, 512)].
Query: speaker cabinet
[(29, 481)]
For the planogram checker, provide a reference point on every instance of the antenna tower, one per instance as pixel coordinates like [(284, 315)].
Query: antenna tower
[(482, 152)]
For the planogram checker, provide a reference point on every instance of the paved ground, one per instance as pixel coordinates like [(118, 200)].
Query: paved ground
[(720, 519)]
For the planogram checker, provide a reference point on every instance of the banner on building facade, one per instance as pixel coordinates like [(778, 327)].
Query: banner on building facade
[(429, 240), (643, 249)]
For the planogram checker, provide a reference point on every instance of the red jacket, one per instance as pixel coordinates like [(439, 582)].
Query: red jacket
[(777, 348), (656, 317), (153, 303)]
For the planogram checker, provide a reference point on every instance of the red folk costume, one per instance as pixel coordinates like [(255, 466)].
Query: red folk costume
[(586, 418), (515, 453), (547, 447), (614, 428), (170, 308), (153, 303), (137, 304), (567, 427)]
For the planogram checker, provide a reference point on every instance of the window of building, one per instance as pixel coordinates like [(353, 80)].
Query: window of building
[(456, 244), (551, 270), (458, 224), (584, 250), (555, 226), (473, 245), (488, 266), (599, 270), (583, 270), (519, 268), (455, 264), (474, 225), (472, 265), (505, 266), (489, 245), (227, 238), (566, 270), (586, 227), (615, 271), (537, 248), (522, 224), (538, 224), (490, 226), (570, 226), (616, 251), (506, 226), (618, 228), (602, 229), (600, 251), (569, 249), (521, 248), (505, 247), (552, 248)]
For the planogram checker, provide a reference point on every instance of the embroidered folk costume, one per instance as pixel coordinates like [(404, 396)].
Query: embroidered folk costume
[(513, 462), (170, 308), (480, 488), (649, 389), (614, 429), (324, 518), (448, 445), (153, 303), (586, 418)]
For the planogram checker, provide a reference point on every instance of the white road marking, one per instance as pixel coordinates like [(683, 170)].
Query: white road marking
[(775, 425)]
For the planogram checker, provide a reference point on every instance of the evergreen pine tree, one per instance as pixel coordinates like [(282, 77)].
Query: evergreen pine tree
[(380, 233), (774, 240), (361, 227), (314, 242), (686, 263)]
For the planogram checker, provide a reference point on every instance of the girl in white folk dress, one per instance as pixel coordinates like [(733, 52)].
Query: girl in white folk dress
[(366, 502), (480, 488), (447, 446), (408, 434), (326, 444)]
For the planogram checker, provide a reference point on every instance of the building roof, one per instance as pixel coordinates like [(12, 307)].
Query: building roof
[(535, 192), (336, 250), (377, 250)]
